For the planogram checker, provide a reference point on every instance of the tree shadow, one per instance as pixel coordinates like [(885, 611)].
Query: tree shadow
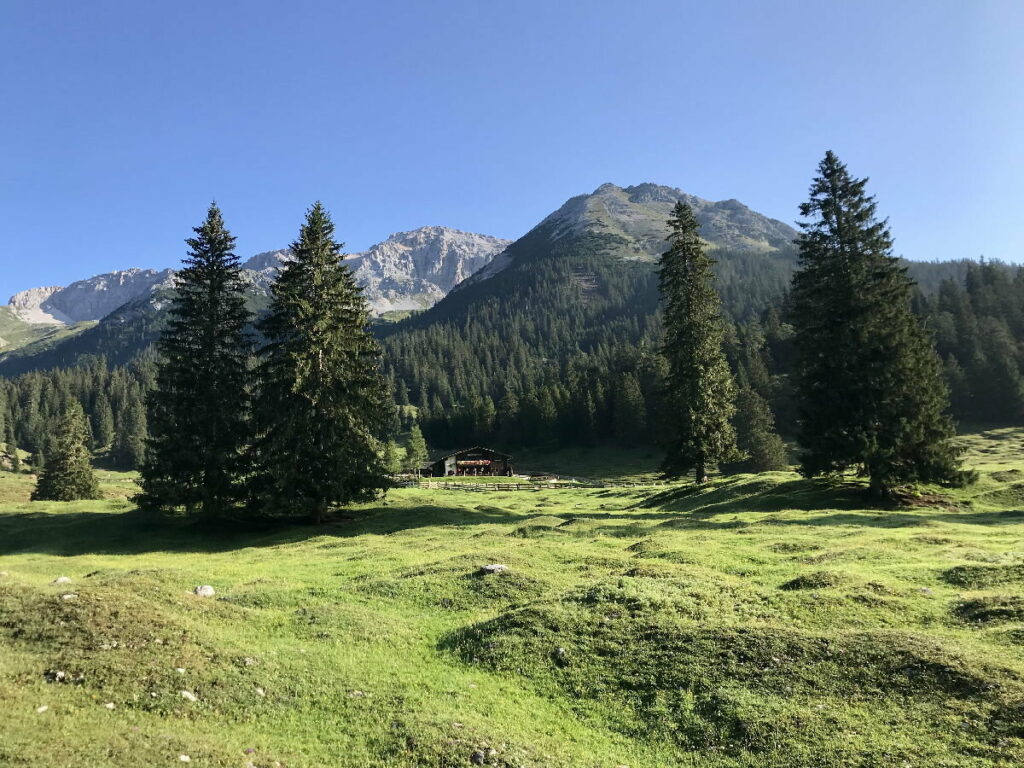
[(137, 532)]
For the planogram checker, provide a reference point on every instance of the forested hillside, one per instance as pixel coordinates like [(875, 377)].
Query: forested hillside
[(557, 342)]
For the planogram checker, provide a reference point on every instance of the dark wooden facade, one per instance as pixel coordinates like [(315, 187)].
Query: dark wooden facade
[(471, 462)]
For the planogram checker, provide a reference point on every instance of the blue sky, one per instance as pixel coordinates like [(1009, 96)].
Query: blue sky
[(122, 120)]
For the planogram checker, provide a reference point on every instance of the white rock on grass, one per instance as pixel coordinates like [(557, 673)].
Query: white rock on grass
[(494, 568), (41, 709), (185, 758), (69, 596), (204, 590), (188, 695), (180, 670), (61, 580), (109, 705)]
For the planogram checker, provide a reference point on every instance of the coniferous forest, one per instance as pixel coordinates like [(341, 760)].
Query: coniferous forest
[(563, 348)]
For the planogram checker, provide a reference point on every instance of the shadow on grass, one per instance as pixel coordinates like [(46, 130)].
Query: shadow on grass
[(138, 532)]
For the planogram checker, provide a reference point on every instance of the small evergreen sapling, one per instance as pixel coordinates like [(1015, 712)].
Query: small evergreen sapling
[(68, 474)]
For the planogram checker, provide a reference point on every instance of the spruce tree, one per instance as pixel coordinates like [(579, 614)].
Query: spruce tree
[(68, 473), (415, 449), (323, 405), (630, 415), (698, 389), (868, 381), (103, 421), (198, 413), (12, 448), (755, 433), (129, 448)]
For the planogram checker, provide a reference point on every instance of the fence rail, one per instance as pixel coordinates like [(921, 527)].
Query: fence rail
[(447, 485)]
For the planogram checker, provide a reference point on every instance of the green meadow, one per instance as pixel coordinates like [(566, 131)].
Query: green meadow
[(762, 620)]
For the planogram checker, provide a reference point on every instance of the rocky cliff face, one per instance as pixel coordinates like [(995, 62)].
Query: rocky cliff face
[(415, 270), (409, 270), (89, 299)]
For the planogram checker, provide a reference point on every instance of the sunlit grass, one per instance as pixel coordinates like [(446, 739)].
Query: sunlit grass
[(760, 621)]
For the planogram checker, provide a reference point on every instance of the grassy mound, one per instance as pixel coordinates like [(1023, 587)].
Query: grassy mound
[(457, 584), (983, 576), (991, 609), (629, 657), (815, 580)]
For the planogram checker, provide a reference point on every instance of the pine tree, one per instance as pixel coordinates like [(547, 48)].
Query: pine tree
[(630, 415), (415, 449), (198, 413), (869, 383), (699, 389), (68, 474), (755, 433), (392, 457), (129, 448), (103, 421), (12, 448), (323, 405)]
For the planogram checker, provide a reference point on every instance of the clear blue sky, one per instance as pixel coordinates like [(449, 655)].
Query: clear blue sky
[(123, 119)]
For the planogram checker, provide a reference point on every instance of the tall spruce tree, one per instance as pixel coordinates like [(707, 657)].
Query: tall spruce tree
[(699, 388), (869, 383), (198, 413), (68, 473), (323, 405)]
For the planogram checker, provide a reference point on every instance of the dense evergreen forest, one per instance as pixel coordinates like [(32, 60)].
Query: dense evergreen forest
[(562, 350)]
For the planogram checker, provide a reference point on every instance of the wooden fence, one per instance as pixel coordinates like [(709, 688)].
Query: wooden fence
[(448, 485)]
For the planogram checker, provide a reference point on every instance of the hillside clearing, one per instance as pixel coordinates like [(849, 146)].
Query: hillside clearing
[(761, 621)]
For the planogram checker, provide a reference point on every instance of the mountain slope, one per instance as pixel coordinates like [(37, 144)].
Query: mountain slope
[(537, 346), (636, 216), (409, 270)]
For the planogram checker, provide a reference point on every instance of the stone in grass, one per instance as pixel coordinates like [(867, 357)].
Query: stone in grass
[(494, 568), (184, 758), (109, 705), (69, 596), (61, 580), (204, 590), (188, 696)]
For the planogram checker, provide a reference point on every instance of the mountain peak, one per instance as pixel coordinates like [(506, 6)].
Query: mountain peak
[(639, 214)]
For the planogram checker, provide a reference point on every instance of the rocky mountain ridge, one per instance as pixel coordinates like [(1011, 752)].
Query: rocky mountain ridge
[(636, 216), (409, 270)]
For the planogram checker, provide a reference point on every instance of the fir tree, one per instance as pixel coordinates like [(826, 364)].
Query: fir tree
[(755, 433), (12, 447), (198, 414), (392, 457), (415, 449), (323, 405), (630, 414), (699, 389), (103, 421), (129, 449), (869, 382), (68, 474)]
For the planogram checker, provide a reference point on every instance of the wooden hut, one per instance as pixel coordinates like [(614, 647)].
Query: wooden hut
[(471, 462)]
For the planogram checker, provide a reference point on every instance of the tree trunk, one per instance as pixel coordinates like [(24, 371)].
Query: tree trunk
[(700, 474)]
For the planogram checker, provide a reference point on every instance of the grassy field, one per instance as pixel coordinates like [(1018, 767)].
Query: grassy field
[(16, 333), (760, 621)]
